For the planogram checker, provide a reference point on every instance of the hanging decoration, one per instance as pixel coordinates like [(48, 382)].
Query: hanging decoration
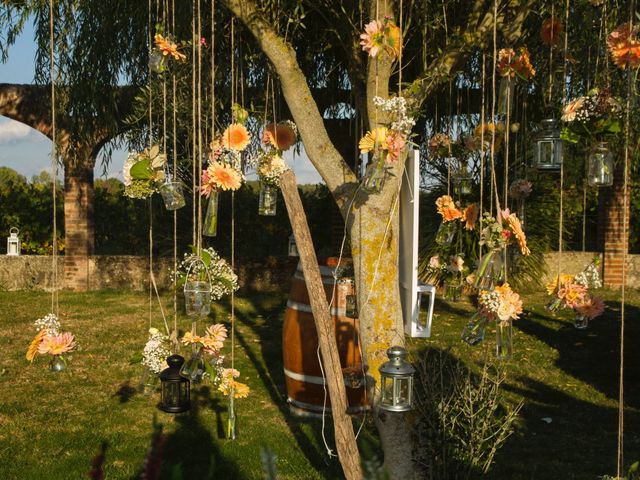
[(204, 278), (396, 382), (624, 46), (512, 65), (519, 190), (165, 50), (386, 144), (172, 194), (276, 139), (382, 36), (600, 165), (50, 340), (224, 171), (13, 242), (153, 359), (176, 390), (549, 146), (593, 117), (572, 291), (292, 249), (143, 172)]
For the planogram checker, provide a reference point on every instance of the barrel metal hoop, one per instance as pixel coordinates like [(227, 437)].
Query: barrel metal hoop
[(304, 307)]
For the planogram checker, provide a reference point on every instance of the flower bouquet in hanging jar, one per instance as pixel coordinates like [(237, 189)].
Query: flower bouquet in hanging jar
[(270, 165), (204, 277), (224, 172), (596, 119), (497, 234), (511, 66), (165, 50), (153, 359), (519, 191), (50, 340), (569, 291), (386, 143), (143, 172), (502, 305)]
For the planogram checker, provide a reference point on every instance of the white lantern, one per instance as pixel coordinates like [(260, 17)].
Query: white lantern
[(549, 146), (396, 380), (293, 248), (13, 242)]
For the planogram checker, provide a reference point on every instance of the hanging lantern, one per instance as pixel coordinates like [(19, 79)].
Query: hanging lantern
[(549, 146), (175, 390), (293, 248), (267, 201), (600, 166), (13, 242), (461, 180), (351, 306), (396, 380)]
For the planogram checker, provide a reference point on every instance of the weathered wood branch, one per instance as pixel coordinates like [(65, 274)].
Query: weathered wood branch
[(323, 154), (344, 434)]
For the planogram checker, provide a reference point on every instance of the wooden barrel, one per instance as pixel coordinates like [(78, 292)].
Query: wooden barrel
[(305, 385)]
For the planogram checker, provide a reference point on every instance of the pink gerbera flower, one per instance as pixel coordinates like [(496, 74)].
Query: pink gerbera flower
[(373, 38)]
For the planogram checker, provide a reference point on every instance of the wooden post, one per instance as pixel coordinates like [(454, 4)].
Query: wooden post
[(345, 436)]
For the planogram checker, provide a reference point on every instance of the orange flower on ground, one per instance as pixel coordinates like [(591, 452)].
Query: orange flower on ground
[(551, 31), (592, 307), (470, 216), (32, 351), (516, 228), (219, 176), (168, 48), (58, 344), (282, 136), (447, 208), (236, 137), (624, 46)]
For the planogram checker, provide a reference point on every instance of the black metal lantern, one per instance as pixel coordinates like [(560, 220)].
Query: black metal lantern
[(549, 146), (396, 380), (176, 392)]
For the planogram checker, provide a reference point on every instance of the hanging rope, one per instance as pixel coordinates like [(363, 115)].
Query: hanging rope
[(175, 177), (482, 120), (54, 164)]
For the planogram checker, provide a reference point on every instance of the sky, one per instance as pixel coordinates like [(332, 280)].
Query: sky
[(29, 152)]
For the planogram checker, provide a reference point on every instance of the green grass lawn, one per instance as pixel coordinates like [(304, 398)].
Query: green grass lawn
[(51, 425)]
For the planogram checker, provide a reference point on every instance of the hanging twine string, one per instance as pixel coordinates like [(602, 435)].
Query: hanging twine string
[(482, 120), (494, 185), (194, 144), (175, 177), (199, 123), (54, 164), (625, 247), (150, 145)]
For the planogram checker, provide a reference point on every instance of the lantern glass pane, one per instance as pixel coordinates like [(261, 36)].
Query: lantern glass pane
[(545, 154), (171, 394), (403, 391), (387, 390)]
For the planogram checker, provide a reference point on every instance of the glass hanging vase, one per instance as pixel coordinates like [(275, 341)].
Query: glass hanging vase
[(57, 364), (172, 195), (268, 200), (210, 226), (506, 95), (521, 211), (504, 339), (600, 165), (156, 61), (197, 298), (580, 321), (446, 232), (194, 368), (473, 332), (452, 291), (375, 175), (490, 271), (149, 381)]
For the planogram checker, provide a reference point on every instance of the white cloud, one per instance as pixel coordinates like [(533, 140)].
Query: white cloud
[(12, 131)]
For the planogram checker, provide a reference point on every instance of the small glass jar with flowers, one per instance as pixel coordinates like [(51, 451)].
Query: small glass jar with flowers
[(50, 340)]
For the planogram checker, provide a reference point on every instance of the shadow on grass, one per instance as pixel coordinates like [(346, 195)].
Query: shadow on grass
[(125, 392), (593, 355), (271, 374), (191, 447), (577, 439)]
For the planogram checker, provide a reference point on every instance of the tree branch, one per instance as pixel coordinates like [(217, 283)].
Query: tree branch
[(322, 153)]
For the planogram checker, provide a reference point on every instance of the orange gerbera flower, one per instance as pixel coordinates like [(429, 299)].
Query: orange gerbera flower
[(220, 176), (32, 351), (57, 344), (282, 136), (551, 31), (240, 390), (470, 216), (236, 137), (167, 47), (375, 139), (516, 227), (447, 208), (624, 46), (591, 307)]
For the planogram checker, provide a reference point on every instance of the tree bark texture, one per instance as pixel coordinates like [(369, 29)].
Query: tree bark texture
[(344, 434)]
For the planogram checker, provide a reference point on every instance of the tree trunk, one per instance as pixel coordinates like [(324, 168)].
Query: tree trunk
[(78, 220)]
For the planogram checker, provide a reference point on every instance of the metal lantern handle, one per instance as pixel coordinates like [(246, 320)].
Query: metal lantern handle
[(195, 260), (11, 231)]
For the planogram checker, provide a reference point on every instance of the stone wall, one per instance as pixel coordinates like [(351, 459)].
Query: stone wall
[(272, 274), (35, 272)]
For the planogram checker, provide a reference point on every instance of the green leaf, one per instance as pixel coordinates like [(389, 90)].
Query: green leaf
[(141, 170), (569, 135), (136, 358)]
